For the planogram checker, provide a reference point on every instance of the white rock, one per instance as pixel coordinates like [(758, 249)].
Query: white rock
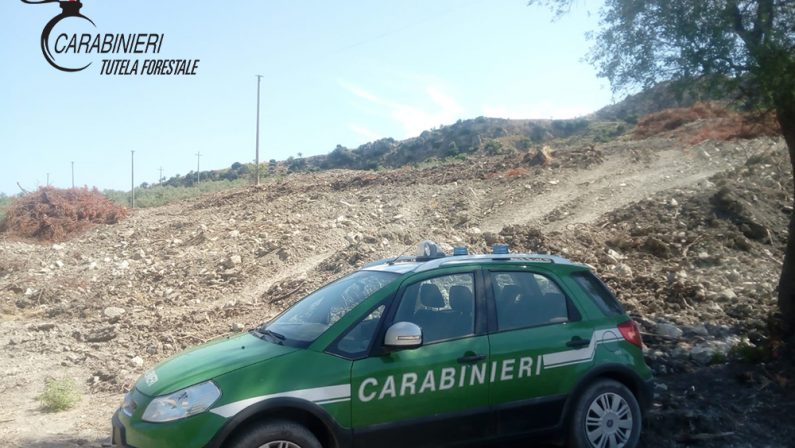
[(113, 312), (615, 255), (727, 294), (137, 361), (235, 259), (668, 330), (623, 270)]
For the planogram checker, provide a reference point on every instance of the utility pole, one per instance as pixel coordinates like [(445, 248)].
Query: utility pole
[(259, 80), (73, 175), (132, 179), (198, 173), (160, 179), (48, 179)]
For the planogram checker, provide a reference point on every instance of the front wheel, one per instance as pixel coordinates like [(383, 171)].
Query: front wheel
[(607, 415), (277, 434)]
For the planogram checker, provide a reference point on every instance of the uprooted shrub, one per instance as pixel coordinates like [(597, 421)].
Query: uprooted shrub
[(54, 214), (670, 119), (720, 123)]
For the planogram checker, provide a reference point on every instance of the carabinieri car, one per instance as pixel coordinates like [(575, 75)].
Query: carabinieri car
[(427, 350)]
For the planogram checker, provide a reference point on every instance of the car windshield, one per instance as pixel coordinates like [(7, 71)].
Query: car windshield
[(309, 318)]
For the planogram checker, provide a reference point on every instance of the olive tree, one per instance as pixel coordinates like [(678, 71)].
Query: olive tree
[(749, 44)]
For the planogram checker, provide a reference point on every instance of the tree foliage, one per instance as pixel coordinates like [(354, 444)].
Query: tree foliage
[(643, 42), (747, 44)]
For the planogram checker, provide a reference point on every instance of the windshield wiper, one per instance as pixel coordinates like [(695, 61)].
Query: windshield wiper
[(279, 338)]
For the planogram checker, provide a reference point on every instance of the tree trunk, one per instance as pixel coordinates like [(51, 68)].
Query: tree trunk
[(786, 285)]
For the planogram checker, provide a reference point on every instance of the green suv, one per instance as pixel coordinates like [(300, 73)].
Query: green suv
[(427, 350)]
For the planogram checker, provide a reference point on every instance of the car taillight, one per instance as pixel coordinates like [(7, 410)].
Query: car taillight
[(631, 333)]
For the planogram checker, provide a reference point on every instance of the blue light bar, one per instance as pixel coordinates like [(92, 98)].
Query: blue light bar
[(460, 250), (499, 249)]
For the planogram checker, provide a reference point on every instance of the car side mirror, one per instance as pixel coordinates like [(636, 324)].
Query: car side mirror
[(403, 335)]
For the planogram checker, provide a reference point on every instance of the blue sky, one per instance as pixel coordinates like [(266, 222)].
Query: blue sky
[(334, 72)]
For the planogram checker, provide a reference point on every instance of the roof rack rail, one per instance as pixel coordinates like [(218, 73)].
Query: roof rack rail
[(390, 260)]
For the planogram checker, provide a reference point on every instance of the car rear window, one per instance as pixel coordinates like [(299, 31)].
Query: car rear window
[(600, 294)]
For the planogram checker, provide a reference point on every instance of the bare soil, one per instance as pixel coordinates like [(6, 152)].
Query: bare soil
[(691, 238)]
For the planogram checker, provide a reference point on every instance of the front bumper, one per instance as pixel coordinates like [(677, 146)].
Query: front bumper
[(119, 434), (196, 431)]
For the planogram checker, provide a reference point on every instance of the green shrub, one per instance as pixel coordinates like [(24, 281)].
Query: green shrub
[(59, 395), (750, 354)]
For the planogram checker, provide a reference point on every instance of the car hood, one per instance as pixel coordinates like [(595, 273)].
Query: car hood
[(206, 362)]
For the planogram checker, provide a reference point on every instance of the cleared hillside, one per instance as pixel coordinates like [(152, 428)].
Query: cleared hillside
[(691, 238)]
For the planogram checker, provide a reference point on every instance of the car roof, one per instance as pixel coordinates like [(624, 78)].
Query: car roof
[(406, 264)]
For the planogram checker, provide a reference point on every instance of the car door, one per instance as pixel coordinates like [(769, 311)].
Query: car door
[(539, 349), (434, 394)]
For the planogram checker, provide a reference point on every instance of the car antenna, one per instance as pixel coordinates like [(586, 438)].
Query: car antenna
[(392, 261)]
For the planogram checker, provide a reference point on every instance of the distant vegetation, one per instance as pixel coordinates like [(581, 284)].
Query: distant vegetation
[(486, 135), (489, 136), (4, 201), (157, 195), (463, 139)]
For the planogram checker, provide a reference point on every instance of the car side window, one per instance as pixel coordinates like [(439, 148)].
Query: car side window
[(527, 299), (600, 294), (443, 307), (356, 341)]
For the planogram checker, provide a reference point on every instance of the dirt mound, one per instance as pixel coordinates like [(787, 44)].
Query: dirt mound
[(54, 214)]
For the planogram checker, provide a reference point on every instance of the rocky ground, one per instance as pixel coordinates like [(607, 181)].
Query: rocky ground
[(691, 238)]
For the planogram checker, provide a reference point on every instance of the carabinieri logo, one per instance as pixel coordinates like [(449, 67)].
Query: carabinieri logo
[(70, 48), (69, 8)]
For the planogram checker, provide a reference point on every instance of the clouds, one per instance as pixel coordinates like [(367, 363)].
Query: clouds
[(428, 106), (403, 107), (365, 132)]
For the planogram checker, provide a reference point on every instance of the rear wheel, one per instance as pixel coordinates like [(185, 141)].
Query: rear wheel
[(277, 434), (607, 415)]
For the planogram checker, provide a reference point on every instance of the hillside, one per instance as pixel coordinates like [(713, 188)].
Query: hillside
[(473, 137), (690, 237)]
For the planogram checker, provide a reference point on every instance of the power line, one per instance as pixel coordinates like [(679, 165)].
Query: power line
[(198, 172), (256, 160), (132, 179)]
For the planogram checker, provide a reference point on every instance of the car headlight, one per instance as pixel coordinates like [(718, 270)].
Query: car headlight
[(182, 403), (129, 405)]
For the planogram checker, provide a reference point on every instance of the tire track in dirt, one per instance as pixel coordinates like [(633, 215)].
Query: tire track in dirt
[(584, 196)]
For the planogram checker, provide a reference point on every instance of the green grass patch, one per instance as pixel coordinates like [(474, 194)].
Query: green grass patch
[(751, 354), (157, 195), (59, 395), (5, 201)]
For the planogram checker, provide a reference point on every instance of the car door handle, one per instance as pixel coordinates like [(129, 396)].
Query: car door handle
[(471, 359), (578, 342)]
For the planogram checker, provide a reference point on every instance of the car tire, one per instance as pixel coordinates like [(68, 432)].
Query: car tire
[(606, 415), (277, 434)]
